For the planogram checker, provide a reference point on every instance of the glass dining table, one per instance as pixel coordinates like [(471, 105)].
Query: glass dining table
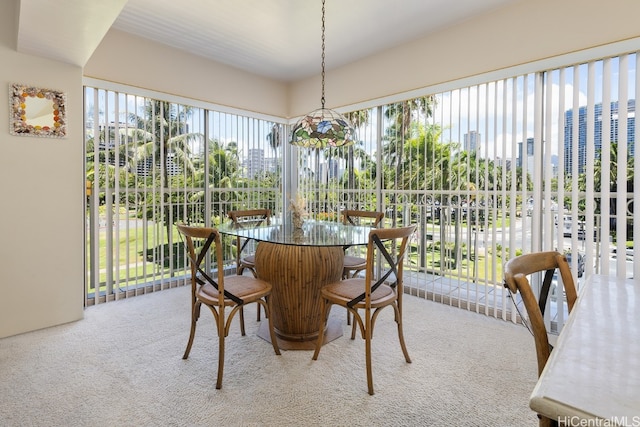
[(298, 262)]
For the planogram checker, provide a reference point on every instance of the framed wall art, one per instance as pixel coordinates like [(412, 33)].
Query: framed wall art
[(36, 111)]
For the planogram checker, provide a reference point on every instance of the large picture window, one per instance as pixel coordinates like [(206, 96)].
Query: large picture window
[(537, 161)]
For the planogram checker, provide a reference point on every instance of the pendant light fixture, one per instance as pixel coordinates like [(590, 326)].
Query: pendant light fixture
[(323, 127)]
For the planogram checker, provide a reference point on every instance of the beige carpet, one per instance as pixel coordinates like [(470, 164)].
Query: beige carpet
[(122, 366)]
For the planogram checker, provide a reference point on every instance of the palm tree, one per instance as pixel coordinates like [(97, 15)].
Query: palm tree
[(160, 136), (104, 175), (422, 153), (223, 170), (462, 173), (358, 119), (163, 133), (401, 116), (613, 185)]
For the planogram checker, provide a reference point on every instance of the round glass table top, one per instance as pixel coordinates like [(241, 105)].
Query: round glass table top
[(312, 233)]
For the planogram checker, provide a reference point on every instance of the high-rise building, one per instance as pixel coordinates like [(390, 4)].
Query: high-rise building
[(530, 150), (255, 162), (147, 166), (570, 121), (472, 141), (525, 154)]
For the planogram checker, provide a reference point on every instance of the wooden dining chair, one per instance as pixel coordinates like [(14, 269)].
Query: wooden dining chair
[(364, 297), (210, 287), (354, 264), (244, 219), (516, 272)]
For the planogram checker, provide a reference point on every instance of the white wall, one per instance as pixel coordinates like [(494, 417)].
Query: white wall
[(149, 65), (41, 199)]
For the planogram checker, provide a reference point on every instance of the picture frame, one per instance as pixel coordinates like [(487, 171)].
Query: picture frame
[(36, 111)]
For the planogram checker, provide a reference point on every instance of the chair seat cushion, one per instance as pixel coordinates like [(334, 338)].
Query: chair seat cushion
[(351, 262), (344, 291), (247, 288)]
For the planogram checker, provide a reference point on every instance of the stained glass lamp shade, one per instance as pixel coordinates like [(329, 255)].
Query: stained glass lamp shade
[(323, 128)]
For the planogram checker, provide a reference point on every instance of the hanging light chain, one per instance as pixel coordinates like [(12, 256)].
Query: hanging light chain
[(322, 99), (323, 127)]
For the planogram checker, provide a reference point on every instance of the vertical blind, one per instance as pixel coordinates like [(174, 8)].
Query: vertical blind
[(539, 161)]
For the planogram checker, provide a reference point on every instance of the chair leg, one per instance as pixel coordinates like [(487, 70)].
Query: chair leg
[(195, 314), (367, 347), (266, 315), (272, 333), (401, 334), (242, 321), (220, 350), (353, 328), (259, 308), (323, 324)]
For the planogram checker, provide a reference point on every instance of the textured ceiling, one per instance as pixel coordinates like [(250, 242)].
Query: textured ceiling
[(279, 39)]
